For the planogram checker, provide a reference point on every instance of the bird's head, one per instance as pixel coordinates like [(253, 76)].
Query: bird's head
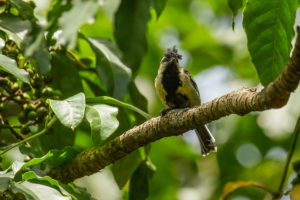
[(171, 56)]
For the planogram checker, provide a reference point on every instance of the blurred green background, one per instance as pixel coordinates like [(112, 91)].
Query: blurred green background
[(250, 148)]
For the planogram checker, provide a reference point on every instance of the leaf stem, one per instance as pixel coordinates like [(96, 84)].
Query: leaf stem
[(17, 125), (112, 101), (82, 65), (51, 122), (288, 159)]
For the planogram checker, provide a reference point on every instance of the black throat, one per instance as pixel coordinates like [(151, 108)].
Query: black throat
[(170, 82)]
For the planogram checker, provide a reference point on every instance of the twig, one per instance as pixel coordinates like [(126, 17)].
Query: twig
[(288, 159), (6, 125), (17, 135), (79, 62), (31, 137)]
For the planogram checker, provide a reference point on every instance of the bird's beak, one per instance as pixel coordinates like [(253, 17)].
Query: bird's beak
[(173, 61)]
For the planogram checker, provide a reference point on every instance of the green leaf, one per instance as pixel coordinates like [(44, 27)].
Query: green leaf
[(36, 48), (25, 9), (231, 187), (130, 30), (53, 158), (5, 178), (17, 166), (235, 6), (159, 6), (19, 188), (113, 73), (138, 99), (92, 78), (42, 58), (122, 169), (112, 101), (103, 121), (15, 27), (71, 20), (78, 192), (269, 29), (60, 137), (33, 191), (45, 180), (139, 183), (65, 75), (9, 65), (32, 149), (70, 112)]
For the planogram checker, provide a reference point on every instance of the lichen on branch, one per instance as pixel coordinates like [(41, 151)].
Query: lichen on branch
[(178, 121)]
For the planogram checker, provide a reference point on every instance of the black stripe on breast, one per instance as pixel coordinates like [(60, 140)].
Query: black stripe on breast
[(170, 82)]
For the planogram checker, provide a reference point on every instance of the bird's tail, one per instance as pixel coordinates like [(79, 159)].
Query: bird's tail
[(206, 139)]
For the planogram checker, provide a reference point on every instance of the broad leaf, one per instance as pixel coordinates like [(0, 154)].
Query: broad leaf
[(15, 28), (103, 121), (5, 178), (53, 158), (122, 169), (70, 112), (140, 180), (9, 65), (71, 20), (42, 60), (18, 188), (17, 166), (92, 78), (25, 9), (130, 30), (60, 138), (159, 6), (139, 100), (230, 187), (33, 191), (269, 28), (112, 101), (36, 48), (65, 75), (78, 192), (45, 180), (113, 73)]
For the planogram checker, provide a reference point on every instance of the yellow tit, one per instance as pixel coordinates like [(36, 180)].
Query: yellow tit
[(176, 88)]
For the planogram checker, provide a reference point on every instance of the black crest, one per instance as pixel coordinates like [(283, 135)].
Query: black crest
[(172, 53)]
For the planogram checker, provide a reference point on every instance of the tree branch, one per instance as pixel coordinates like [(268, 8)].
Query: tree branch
[(176, 122)]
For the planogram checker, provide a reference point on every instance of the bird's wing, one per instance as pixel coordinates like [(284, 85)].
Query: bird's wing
[(189, 88), (192, 80)]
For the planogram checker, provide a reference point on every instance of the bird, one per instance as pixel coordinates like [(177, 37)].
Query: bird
[(176, 88)]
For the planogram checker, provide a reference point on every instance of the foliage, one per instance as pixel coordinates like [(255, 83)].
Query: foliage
[(75, 74)]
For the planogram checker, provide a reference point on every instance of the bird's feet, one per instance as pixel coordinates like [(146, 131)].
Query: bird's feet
[(165, 111)]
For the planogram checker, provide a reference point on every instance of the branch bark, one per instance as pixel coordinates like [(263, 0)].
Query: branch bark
[(176, 122)]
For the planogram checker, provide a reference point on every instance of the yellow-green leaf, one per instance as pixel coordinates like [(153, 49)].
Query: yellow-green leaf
[(230, 187)]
